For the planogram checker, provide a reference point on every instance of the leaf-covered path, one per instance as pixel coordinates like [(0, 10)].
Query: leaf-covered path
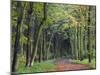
[(68, 65)]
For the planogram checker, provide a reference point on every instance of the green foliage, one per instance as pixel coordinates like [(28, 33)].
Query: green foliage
[(69, 25), (23, 39), (38, 9), (85, 61), (38, 67)]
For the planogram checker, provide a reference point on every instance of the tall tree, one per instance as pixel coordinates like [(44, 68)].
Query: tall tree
[(89, 35), (17, 37), (29, 17), (38, 35)]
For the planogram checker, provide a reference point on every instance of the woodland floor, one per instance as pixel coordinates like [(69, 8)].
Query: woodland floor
[(57, 65), (68, 65)]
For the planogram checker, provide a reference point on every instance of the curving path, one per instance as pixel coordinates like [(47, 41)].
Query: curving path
[(68, 65)]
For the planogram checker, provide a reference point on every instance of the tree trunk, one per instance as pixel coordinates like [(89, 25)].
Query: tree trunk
[(29, 20), (38, 36), (49, 45), (21, 29), (17, 37), (76, 50), (89, 37), (41, 55), (81, 43), (78, 41)]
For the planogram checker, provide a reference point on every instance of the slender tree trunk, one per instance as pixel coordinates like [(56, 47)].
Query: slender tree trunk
[(81, 43), (29, 19), (38, 36), (72, 48), (89, 37), (44, 45), (17, 37), (48, 50), (76, 50), (21, 29), (41, 55), (85, 41), (78, 44)]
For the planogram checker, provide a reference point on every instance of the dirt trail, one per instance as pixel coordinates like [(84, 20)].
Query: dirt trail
[(68, 65)]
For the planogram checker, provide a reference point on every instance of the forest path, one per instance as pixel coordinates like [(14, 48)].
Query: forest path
[(68, 65)]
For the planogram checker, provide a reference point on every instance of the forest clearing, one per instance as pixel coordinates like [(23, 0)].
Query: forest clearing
[(52, 37)]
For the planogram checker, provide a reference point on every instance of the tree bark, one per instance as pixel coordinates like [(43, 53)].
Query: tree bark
[(38, 36), (76, 50), (17, 37), (89, 37), (29, 18)]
